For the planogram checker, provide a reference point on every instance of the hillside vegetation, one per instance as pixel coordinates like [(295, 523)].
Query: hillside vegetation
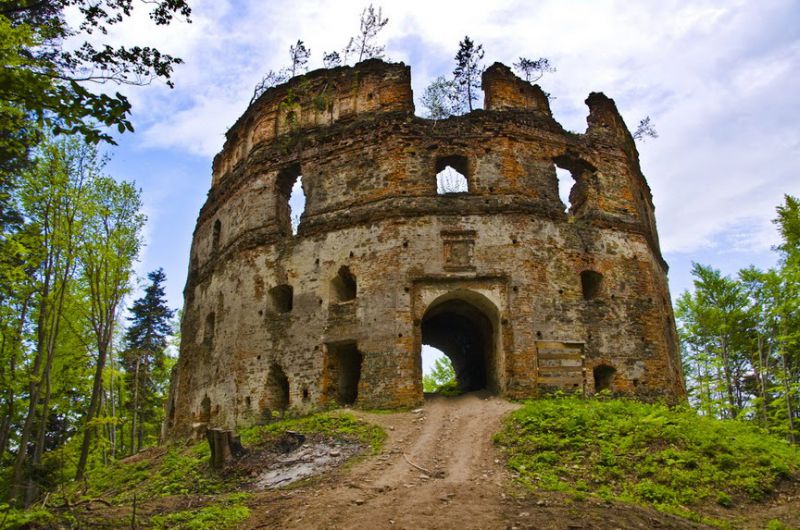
[(175, 487), (670, 458)]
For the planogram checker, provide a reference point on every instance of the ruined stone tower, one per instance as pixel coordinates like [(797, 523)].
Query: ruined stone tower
[(523, 296)]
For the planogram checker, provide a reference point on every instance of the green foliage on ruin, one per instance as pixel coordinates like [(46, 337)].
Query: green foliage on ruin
[(671, 458)]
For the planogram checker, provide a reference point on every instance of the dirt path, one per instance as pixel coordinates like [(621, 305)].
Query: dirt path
[(439, 470), (449, 438)]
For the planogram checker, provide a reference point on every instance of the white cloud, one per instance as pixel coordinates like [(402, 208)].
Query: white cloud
[(718, 78)]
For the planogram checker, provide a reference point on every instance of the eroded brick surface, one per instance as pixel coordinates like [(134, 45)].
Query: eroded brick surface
[(271, 321)]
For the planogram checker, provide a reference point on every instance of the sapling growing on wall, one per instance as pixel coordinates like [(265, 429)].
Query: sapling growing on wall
[(331, 60), (271, 79), (646, 129), (364, 45), (438, 98), (533, 69), (298, 57), (467, 73), (298, 63)]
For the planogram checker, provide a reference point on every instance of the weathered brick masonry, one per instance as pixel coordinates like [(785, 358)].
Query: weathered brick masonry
[(523, 296)]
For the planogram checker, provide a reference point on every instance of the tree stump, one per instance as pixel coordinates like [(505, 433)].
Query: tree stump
[(225, 446)]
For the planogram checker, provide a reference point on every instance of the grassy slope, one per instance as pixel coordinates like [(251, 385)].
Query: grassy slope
[(650, 454), (672, 459), (176, 475)]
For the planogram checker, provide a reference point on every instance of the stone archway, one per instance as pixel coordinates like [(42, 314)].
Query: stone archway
[(463, 325)]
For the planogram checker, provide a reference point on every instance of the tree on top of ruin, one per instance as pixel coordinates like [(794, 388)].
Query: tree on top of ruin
[(447, 97), (364, 44), (438, 98), (298, 63), (271, 79), (646, 129), (298, 57), (331, 59), (467, 73), (533, 69)]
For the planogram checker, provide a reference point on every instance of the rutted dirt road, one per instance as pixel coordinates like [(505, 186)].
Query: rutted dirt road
[(438, 470), (438, 461)]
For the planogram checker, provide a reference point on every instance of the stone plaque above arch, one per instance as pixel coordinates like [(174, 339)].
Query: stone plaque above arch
[(458, 250)]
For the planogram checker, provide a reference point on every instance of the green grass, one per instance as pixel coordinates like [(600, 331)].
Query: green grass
[(182, 470), (30, 518), (339, 426), (646, 453), (223, 514)]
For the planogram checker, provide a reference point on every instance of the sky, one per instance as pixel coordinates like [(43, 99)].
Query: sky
[(719, 79)]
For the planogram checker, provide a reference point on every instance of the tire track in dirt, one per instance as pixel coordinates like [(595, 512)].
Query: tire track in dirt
[(462, 487), (465, 485)]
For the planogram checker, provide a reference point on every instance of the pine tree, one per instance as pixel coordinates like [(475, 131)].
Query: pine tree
[(533, 69), (364, 44), (146, 341), (298, 57), (467, 73)]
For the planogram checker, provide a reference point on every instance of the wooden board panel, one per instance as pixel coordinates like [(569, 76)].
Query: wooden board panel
[(560, 365)]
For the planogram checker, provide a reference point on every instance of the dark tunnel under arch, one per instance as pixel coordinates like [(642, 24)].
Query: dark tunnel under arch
[(462, 325)]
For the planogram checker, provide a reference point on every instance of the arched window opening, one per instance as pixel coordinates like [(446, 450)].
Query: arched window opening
[(208, 332), (297, 204), (277, 391), (590, 284), (215, 236), (451, 175), (282, 298), (343, 286), (603, 377), (344, 372), (449, 180), (291, 199), (575, 177), (565, 185)]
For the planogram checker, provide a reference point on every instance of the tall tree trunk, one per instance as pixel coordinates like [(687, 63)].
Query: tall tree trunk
[(135, 407), (58, 217), (726, 368), (94, 403), (788, 390), (5, 425), (32, 489), (762, 380), (104, 430), (33, 393), (113, 425)]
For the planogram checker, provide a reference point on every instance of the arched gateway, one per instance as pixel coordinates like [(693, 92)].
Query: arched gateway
[(524, 295), (462, 325)]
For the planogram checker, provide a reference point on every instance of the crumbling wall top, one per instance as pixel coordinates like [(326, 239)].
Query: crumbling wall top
[(318, 98), (503, 90)]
